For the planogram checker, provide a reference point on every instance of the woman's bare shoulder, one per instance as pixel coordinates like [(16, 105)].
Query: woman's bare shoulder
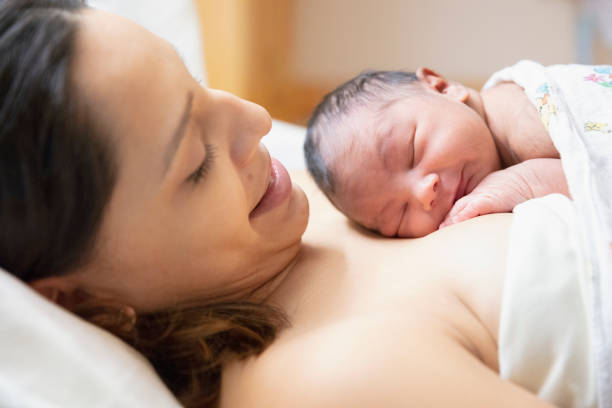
[(313, 368), (358, 363)]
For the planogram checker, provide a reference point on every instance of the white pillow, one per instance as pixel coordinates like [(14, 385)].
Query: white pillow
[(51, 358), (176, 21), (284, 142)]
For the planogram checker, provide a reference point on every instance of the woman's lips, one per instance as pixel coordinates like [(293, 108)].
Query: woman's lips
[(278, 190)]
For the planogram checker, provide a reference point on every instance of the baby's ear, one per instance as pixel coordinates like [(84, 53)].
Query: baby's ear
[(438, 83), (432, 79)]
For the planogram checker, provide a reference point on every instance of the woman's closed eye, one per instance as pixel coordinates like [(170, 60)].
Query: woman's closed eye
[(204, 167)]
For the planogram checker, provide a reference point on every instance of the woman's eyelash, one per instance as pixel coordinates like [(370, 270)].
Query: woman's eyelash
[(203, 168)]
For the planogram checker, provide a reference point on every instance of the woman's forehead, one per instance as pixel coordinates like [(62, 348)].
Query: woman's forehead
[(133, 81), (114, 54), (103, 36)]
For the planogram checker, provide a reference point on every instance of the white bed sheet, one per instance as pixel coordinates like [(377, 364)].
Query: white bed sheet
[(284, 142)]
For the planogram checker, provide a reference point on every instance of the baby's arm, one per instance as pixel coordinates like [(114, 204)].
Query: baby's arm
[(502, 190)]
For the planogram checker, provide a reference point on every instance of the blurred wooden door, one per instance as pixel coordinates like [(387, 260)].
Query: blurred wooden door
[(247, 49)]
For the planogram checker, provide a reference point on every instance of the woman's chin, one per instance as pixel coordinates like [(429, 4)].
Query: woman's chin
[(286, 223), (299, 211), (305, 207)]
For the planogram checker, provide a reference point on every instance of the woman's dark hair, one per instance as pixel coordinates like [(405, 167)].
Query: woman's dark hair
[(57, 173)]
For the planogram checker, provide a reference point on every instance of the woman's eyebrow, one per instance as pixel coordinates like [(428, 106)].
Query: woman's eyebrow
[(175, 141)]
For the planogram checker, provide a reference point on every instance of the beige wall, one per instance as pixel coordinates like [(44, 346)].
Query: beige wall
[(466, 40), (286, 54)]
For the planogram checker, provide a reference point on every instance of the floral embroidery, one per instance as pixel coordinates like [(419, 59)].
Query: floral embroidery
[(545, 107), (602, 76), (602, 127), (543, 88)]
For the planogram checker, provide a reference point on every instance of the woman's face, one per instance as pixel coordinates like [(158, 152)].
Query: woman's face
[(199, 210)]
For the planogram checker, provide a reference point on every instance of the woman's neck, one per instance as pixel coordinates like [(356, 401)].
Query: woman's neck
[(267, 289)]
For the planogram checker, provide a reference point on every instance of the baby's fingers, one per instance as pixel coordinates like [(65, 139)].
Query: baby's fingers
[(467, 207), (456, 209)]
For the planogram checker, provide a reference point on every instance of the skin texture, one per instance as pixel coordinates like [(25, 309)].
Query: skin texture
[(405, 166), (165, 238), (532, 163), (380, 322), (374, 322), (502, 190)]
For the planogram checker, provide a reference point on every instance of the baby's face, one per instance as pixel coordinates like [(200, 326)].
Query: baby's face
[(407, 164)]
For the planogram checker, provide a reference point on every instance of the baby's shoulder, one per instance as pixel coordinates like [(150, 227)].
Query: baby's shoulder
[(529, 137)]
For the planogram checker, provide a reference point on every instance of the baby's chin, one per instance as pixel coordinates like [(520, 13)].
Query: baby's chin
[(417, 234), (422, 231)]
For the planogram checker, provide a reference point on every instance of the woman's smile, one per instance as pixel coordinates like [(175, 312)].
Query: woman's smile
[(277, 190)]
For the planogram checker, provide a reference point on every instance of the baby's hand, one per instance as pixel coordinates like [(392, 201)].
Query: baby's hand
[(502, 190), (499, 192)]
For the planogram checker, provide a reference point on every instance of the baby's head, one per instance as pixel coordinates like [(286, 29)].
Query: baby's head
[(394, 150)]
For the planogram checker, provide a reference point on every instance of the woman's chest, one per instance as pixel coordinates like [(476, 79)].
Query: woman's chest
[(405, 290), (334, 285)]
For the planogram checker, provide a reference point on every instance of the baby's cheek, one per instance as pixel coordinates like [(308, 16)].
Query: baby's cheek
[(359, 215), (419, 225)]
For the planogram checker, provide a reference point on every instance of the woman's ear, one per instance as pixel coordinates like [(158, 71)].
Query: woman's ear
[(60, 290), (113, 316), (439, 84)]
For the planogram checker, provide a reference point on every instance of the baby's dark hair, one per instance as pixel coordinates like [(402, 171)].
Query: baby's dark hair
[(371, 89)]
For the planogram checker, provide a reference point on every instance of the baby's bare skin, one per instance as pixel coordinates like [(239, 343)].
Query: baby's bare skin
[(515, 124), (525, 147), (440, 155), (502, 190)]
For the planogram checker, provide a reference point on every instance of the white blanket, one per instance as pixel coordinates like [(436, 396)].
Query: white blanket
[(545, 335), (575, 104)]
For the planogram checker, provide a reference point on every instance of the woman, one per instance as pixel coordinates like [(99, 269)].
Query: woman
[(147, 204)]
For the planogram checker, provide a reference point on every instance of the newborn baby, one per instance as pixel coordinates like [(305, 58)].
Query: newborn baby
[(406, 153)]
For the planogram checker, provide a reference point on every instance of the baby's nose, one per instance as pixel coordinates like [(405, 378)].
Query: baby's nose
[(428, 191)]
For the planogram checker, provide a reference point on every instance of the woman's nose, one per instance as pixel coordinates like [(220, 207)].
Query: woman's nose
[(427, 191), (248, 123)]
